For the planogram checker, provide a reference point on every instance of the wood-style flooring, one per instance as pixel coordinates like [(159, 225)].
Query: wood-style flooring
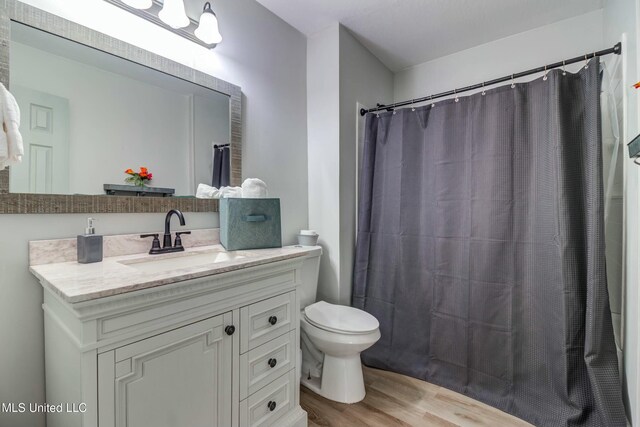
[(397, 400)]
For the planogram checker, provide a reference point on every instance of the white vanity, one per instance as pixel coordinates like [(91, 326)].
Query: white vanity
[(172, 340)]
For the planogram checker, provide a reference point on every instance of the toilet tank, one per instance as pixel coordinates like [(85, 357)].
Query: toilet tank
[(310, 269)]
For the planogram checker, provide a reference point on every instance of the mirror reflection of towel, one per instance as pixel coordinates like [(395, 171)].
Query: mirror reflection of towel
[(11, 147), (221, 167)]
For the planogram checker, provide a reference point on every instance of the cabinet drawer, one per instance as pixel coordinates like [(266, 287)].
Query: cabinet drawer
[(263, 364), (265, 320), (267, 405)]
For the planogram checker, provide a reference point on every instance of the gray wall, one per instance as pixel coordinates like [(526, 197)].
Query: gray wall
[(260, 53)]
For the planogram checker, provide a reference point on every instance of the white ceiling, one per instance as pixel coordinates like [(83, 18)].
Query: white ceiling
[(402, 33)]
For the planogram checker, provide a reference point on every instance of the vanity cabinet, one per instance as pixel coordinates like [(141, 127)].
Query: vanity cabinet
[(178, 378), (220, 350)]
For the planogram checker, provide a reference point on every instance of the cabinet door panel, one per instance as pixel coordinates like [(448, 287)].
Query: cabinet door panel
[(179, 378)]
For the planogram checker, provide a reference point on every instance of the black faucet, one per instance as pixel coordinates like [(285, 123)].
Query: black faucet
[(167, 246), (167, 227)]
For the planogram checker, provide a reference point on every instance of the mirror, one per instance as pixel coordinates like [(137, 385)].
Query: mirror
[(88, 116)]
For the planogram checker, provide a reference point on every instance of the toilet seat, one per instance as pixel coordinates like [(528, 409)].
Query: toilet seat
[(340, 318)]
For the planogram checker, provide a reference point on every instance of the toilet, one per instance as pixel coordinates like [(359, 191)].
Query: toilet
[(331, 338)]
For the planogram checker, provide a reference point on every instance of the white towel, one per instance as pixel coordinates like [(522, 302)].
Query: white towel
[(254, 188), (205, 191), (11, 147)]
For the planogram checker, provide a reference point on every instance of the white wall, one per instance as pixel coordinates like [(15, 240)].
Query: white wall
[(340, 74), (323, 115), (620, 23), (531, 49), (363, 80), (260, 53)]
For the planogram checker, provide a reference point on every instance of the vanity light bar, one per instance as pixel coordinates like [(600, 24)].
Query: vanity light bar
[(152, 15)]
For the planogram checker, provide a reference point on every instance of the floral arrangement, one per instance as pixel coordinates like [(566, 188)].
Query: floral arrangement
[(139, 179)]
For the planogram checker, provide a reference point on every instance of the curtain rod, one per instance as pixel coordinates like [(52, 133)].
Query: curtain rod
[(617, 49)]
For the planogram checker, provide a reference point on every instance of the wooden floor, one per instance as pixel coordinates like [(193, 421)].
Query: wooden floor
[(397, 400)]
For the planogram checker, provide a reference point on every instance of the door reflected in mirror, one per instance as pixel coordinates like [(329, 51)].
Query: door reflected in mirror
[(88, 116)]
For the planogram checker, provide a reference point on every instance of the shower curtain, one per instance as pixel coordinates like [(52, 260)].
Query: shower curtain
[(481, 249)]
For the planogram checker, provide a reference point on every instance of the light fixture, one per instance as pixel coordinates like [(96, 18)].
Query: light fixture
[(173, 14), (139, 4), (208, 30)]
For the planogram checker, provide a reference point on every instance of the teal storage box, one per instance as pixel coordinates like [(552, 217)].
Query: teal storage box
[(250, 224)]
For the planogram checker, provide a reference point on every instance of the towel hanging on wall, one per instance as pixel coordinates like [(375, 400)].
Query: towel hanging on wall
[(221, 166), (11, 147)]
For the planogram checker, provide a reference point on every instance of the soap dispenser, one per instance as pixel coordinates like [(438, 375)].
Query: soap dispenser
[(89, 245)]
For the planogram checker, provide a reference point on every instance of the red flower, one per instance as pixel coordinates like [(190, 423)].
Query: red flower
[(129, 171), (150, 176)]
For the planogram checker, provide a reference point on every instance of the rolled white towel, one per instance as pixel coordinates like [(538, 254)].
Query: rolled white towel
[(254, 188), (228, 192), (205, 191)]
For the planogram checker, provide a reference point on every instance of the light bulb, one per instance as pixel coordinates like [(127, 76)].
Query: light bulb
[(173, 14), (208, 30), (138, 4)]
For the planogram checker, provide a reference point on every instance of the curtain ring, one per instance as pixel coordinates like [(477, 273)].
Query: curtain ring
[(513, 83), (412, 107), (457, 99), (564, 71), (545, 73), (483, 91), (586, 64), (433, 104)]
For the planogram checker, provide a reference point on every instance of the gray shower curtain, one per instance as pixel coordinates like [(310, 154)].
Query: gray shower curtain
[(481, 249)]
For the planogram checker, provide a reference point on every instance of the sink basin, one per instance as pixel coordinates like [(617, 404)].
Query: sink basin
[(177, 261)]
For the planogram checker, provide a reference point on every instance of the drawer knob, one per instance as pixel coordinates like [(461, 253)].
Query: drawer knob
[(271, 405), (230, 329), (272, 362), (273, 320)]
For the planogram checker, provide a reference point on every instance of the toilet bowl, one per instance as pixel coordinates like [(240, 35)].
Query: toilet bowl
[(331, 339), (337, 334)]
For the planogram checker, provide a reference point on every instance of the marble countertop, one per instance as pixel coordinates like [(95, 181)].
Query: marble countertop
[(116, 275)]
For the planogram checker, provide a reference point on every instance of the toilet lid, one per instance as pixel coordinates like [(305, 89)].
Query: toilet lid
[(340, 318)]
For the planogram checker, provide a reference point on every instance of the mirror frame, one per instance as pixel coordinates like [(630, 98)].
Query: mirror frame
[(26, 203)]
